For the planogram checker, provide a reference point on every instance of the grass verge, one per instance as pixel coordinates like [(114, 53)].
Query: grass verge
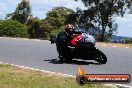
[(115, 44), (14, 77)]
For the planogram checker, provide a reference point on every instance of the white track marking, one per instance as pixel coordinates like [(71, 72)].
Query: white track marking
[(44, 71), (38, 40), (123, 86), (110, 85), (25, 39)]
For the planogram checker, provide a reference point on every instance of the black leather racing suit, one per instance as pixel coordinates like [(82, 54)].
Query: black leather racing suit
[(63, 41)]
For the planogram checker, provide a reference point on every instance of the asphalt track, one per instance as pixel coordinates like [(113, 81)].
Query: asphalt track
[(40, 54)]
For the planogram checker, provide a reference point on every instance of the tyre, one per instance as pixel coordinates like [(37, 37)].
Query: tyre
[(68, 59), (101, 57), (61, 59)]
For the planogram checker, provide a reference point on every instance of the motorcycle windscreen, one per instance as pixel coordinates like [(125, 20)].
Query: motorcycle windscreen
[(88, 38)]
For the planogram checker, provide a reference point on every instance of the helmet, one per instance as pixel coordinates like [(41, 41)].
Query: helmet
[(69, 28)]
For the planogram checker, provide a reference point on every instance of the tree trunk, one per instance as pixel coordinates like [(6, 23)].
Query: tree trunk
[(103, 34)]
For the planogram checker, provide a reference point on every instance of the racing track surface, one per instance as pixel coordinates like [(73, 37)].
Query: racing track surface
[(40, 54)]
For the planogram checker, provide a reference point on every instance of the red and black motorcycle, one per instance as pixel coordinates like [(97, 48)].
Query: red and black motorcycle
[(81, 46)]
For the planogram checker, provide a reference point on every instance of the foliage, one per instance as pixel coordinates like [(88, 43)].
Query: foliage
[(53, 23), (12, 28), (101, 14), (55, 32), (47, 27), (38, 28), (22, 12), (128, 40), (71, 18), (57, 18)]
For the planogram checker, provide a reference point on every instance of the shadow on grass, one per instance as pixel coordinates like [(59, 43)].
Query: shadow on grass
[(76, 62)]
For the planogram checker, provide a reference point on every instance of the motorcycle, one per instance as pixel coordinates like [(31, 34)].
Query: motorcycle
[(82, 46)]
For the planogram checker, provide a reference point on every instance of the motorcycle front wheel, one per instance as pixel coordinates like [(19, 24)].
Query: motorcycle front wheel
[(100, 57), (65, 59)]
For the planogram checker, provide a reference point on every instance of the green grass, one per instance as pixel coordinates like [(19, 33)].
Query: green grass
[(13, 77)]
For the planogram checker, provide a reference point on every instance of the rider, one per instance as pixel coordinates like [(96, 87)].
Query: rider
[(67, 35), (72, 34)]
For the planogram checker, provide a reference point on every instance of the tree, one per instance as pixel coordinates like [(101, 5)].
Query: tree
[(71, 18), (22, 12), (57, 17), (34, 27), (47, 28), (38, 29), (129, 5), (101, 14)]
